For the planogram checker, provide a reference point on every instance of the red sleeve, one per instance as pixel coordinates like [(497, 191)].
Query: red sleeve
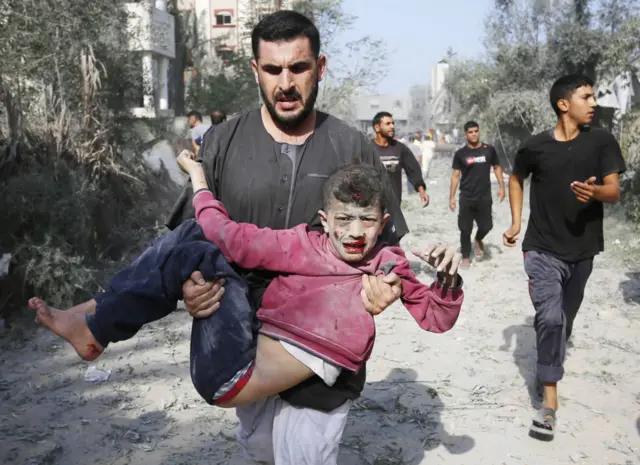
[(285, 251), (434, 308)]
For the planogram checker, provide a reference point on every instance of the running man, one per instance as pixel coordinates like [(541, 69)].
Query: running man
[(472, 170), (396, 156), (574, 170)]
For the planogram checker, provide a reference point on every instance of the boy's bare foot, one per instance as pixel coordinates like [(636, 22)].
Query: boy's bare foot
[(479, 248), (466, 264), (85, 308), (70, 326)]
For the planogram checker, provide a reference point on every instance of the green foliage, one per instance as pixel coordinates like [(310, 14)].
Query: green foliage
[(630, 144), (54, 271), (75, 194), (232, 89), (64, 226), (529, 44)]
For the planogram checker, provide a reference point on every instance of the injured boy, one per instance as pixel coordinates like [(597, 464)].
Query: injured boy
[(314, 304)]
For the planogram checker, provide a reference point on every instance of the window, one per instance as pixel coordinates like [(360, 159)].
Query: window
[(223, 19)]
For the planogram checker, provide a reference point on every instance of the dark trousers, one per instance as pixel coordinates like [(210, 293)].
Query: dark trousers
[(149, 289), (468, 212), (556, 288)]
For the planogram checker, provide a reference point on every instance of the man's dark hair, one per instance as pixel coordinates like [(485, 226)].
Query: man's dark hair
[(355, 183), (470, 124), (564, 88), (196, 114), (285, 26), (218, 116), (377, 119)]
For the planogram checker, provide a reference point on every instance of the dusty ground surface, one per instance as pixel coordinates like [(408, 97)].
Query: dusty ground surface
[(456, 398)]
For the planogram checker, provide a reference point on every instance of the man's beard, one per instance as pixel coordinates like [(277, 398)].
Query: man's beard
[(292, 121)]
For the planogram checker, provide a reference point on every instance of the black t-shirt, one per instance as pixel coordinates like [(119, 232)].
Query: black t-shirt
[(559, 224), (397, 157), (475, 166), (279, 186)]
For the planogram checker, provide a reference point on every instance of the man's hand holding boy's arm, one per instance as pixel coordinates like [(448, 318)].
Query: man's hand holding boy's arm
[(380, 291)]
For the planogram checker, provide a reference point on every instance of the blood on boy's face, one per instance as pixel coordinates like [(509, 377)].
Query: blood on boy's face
[(353, 230)]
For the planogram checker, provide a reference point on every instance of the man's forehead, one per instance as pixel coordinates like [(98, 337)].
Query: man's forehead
[(284, 53), (387, 119)]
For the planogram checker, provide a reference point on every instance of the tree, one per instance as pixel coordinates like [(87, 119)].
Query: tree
[(71, 173), (530, 43), (232, 89)]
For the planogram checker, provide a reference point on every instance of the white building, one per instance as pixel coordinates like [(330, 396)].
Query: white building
[(152, 37), (441, 105), (438, 76)]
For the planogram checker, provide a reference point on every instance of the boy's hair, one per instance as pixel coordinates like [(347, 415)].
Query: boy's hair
[(377, 119), (285, 26), (195, 114), (564, 88), (470, 124), (355, 183)]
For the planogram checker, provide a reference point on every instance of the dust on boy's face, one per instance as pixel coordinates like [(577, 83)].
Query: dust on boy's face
[(353, 231)]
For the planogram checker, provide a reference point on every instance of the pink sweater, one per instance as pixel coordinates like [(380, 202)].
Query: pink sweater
[(316, 303)]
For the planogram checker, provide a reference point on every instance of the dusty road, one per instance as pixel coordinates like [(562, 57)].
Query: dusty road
[(457, 398)]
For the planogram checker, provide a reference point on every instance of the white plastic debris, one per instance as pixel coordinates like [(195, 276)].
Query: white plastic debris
[(94, 375)]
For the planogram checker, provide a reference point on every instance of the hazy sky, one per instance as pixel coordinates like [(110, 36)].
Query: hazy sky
[(418, 33)]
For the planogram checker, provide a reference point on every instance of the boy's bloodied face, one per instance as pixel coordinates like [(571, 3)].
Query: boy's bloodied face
[(353, 230)]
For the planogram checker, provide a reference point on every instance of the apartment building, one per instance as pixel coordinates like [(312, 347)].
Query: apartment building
[(224, 26), (152, 39)]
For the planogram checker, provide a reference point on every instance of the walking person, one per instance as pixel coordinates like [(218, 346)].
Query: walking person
[(396, 156), (574, 170), (198, 128), (472, 171), (217, 117)]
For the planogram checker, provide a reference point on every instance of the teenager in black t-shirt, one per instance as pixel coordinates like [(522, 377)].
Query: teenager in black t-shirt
[(574, 170), (472, 170), (396, 156)]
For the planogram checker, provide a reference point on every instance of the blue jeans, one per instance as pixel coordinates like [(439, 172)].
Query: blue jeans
[(149, 289)]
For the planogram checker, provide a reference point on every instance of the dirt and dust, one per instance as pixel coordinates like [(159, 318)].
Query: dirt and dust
[(457, 398)]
